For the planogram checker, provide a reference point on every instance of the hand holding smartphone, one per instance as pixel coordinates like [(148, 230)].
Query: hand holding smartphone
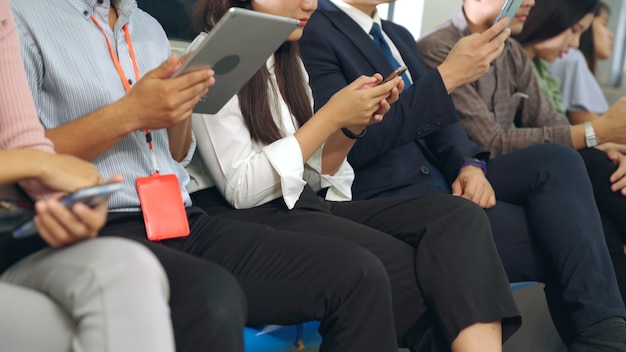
[(397, 72), (509, 9), (91, 196)]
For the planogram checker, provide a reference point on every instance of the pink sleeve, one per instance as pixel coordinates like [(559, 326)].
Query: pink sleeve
[(19, 123)]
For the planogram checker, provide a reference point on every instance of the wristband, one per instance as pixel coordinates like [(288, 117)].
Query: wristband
[(351, 135), (475, 162)]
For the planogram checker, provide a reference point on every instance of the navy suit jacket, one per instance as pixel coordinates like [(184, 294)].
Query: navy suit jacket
[(392, 158)]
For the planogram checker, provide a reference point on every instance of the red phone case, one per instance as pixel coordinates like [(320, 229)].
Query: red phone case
[(162, 205)]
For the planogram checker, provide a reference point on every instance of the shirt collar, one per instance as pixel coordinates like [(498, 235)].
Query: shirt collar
[(460, 22), (124, 7), (362, 19)]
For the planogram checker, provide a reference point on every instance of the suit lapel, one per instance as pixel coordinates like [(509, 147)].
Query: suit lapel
[(406, 50)]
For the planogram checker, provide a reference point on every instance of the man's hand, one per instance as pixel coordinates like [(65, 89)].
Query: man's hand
[(472, 184), (618, 179), (471, 57), (158, 101), (605, 147), (612, 126)]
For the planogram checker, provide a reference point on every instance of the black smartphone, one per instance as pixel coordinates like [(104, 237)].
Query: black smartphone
[(400, 70)]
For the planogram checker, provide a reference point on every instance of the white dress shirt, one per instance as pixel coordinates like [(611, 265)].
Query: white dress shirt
[(366, 22), (250, 174)]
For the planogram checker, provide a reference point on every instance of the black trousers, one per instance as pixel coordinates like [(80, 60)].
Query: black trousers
[(547, 228), (444, 270), (611, 206), (288, 278)]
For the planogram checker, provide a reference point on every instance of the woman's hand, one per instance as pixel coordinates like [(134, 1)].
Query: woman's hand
[(65, 173), (364, 101), (60, 226)]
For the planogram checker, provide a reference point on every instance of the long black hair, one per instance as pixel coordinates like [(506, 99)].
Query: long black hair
[(550, 18), (587, 43), (254, 99)]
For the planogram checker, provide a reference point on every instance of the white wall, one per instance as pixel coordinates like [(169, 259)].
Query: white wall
[(437, 12), (408, 13)]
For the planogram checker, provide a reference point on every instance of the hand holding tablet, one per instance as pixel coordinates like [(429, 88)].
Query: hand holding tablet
[(235, 48)]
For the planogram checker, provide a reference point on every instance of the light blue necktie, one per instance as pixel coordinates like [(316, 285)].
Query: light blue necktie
[(379, 39)]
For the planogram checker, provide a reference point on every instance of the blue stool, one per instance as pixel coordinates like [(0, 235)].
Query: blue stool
[(302, 337)]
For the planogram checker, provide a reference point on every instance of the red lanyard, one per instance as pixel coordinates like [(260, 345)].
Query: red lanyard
[(125, 80)]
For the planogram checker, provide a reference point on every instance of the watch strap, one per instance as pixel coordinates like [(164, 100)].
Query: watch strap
[(591, 139)]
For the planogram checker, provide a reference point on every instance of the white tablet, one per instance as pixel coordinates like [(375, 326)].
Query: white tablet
[(238, 45)]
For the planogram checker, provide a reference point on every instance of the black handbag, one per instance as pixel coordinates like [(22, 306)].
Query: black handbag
[(16, 208)]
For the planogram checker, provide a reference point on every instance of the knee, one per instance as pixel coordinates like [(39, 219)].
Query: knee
[(465, 211), (128, 261), (355, 267), (557, 157), (224, 302)]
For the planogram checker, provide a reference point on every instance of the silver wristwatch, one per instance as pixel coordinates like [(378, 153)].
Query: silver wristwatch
[(591, 140)]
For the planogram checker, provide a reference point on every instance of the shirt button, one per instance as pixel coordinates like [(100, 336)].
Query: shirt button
[(86, 13), (425, 170), (439, 122)]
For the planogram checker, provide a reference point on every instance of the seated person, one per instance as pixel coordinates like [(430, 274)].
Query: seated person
[(542, 45), (113, 290), (532, 213), (581, 93), (99, 113), (268, 158)]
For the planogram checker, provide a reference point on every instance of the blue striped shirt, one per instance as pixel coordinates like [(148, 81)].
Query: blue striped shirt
[(71, 74)]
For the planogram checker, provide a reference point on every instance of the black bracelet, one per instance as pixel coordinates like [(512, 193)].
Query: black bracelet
[(351, 135)]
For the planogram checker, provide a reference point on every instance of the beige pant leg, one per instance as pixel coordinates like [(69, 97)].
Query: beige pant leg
[(113, 290)]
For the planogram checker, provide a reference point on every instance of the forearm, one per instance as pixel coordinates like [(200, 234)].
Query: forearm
[(578, 117), (91, 135), (336, 149), (22, 164), (179, 137), (313, 134), (450, 79)]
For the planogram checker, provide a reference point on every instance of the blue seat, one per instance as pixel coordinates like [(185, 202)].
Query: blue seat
[(276, 338), (304, 337)]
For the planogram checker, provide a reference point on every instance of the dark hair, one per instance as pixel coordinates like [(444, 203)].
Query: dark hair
[(549, 18), (587, 44), (254, 99)]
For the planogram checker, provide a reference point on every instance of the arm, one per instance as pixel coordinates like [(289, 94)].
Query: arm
[(488, 107), (57, 225), (155, 102), (19, 125), (578, 117), (471, 57), (332, 61), (580, 91), (249, 174)]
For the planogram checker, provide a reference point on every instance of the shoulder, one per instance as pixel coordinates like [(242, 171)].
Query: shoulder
[(515, 57), (443, 38)]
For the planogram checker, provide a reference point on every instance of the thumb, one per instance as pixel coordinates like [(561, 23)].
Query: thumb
[(166, 69), (457, 190), (365, 82), (613, 155)]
